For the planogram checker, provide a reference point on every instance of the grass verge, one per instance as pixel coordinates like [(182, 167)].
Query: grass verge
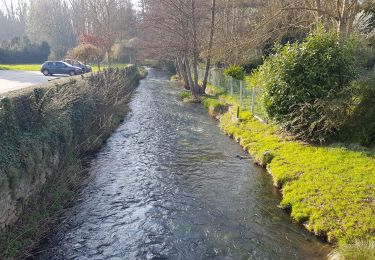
[(21, 67)]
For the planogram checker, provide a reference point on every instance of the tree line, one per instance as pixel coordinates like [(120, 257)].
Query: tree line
[(225, 32), (64, 24)]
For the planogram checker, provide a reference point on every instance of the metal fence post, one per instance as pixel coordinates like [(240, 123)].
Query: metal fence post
[(241, 90), (253, 100), (231, 86)]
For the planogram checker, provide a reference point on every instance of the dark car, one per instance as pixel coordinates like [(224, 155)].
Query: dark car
[(59, 67), (76, 63)]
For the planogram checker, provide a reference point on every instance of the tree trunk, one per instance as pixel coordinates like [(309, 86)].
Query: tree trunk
[(318, 6), (178, 68), (188, 72), (109, 56), (196, 88), (347, 13), (183, 72), (210, 45)]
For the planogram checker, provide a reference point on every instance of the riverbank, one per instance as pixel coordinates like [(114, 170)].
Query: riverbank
[(329, 190), (45, 133)]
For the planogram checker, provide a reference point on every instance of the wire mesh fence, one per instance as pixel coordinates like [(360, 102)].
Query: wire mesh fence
[(248, 97)]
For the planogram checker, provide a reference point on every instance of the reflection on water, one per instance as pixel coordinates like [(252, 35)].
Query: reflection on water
[(169, 185)]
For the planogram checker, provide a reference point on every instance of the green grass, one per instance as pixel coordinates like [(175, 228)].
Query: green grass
[(185, 95), (328, 189), (331, 190), (360, 250), (21, 67)]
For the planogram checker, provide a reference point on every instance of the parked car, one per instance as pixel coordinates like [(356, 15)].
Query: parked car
[(76, 63), (59, 67)]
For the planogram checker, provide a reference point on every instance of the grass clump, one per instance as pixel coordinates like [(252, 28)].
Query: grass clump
[(360, 250), (215, 106), (175, 78), (186, 96)]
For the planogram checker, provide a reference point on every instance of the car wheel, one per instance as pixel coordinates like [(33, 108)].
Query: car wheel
[(45, 72), (72, 73)]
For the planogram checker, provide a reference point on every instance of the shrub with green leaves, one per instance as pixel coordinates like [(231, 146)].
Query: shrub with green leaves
[(235, 71), (307, 85), (360, 128)]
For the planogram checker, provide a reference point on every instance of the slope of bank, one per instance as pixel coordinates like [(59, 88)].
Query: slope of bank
[(44, 133), (330, 190)]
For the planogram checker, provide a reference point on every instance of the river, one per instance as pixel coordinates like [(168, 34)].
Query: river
[(169, 185)]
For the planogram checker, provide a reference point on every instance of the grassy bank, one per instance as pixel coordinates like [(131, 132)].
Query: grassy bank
[(45, 132), (330, 190)]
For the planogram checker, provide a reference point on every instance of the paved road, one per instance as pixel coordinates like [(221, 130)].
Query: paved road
[(13, 80)]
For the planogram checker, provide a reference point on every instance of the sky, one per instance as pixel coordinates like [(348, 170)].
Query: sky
[(136, 4)]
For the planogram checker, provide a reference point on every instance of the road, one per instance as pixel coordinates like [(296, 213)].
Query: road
[(13, 80)]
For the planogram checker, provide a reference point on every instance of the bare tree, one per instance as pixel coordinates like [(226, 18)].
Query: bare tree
[(175, 30), (57, 31), (12, 19), (210, 45)]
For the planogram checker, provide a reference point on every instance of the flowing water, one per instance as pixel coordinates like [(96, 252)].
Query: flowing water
[(169, 185)]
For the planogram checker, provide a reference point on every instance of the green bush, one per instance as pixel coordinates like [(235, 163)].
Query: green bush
[(360, 128), (307, 84), (235, 71)]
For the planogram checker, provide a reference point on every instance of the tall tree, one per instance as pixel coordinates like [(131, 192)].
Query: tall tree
[(210, 45), (175, 30), (12, 19), (49, 20)]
